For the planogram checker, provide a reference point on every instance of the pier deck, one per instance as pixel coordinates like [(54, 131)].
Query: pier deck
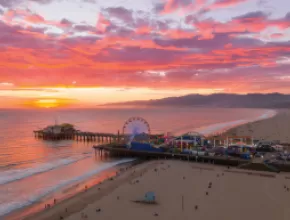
[(121, 151), (80, 136), (83, 136)]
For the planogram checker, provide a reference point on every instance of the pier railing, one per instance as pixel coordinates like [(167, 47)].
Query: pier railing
[(79, 136)]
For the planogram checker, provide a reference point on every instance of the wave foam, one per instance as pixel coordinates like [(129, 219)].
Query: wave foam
[(22, 202), (13, 175)]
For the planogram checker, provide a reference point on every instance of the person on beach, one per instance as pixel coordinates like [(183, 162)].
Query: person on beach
[(54, 201)]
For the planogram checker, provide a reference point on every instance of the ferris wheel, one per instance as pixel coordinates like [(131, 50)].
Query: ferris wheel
[(136, 126)]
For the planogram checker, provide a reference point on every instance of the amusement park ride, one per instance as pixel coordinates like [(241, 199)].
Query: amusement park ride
[(136, 129), (137, 138)]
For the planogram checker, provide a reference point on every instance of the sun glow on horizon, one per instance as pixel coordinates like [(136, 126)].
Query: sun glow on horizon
[(83, 97), (48, 103)]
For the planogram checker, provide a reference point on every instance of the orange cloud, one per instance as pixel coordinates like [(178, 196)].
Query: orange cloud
[(178, 33), (34, 18)]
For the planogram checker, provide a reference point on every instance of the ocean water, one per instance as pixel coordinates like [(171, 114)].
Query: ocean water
[(33, 169)]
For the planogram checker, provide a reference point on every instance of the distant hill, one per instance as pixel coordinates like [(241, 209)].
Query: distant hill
[(271, 100)]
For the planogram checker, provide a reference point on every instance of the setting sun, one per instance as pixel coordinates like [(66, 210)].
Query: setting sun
[(49, 103)]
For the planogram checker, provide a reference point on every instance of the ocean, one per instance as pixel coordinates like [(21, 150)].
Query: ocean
[(33, 170)]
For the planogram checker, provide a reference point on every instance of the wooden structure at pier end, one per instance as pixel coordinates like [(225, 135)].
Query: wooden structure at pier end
[(79, 136), (68, 132)]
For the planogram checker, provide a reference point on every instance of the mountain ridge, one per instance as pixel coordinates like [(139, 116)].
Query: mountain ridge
[(251, 100)]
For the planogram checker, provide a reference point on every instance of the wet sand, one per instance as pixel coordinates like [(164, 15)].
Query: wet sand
[(67, 192), (182, 192), (275, 128)]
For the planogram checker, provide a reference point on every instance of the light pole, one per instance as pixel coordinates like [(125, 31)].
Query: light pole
[(252, 137), (214, 137)]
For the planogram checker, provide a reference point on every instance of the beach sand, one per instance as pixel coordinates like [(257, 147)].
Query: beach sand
[(179, 187), (275, 128)]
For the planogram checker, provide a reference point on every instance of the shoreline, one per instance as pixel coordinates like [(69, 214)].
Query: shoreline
[(70, 191), (229, 189), (267, 129), (82, 199), (222, 128)]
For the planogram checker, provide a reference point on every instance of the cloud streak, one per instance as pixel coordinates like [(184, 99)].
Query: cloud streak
[(13, 3)]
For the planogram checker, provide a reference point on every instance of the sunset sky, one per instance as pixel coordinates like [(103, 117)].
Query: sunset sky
[(82, 53)]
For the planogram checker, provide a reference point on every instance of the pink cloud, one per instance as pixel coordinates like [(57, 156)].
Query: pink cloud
[(102, 23), (229, 45), (277, 35), (186, 6), (253, 22), (172, 5), (34, 18), (226, 3)]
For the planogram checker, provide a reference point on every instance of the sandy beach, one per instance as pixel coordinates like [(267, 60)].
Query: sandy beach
[(181, 190), (275, 128)]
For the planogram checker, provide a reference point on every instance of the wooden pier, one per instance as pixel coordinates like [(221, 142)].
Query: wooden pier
[(83, 136), (80, 136), (121, 151)]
